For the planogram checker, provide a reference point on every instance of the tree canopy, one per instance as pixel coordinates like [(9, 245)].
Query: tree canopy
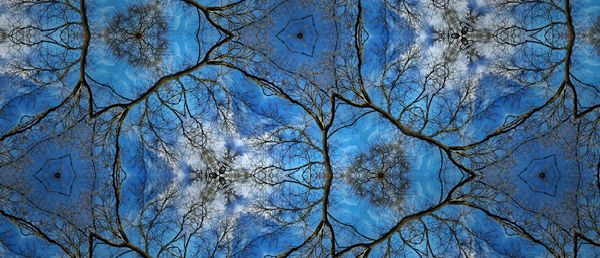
[(304, 128)]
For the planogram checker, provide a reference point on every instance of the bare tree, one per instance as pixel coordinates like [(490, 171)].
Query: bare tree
[(138, 35), (378, 174), (259, 141)]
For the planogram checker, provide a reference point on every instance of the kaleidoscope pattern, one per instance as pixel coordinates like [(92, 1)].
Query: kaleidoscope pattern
[(138, 34), (300, 36), (542, 175), (57, 175), (299, 128)]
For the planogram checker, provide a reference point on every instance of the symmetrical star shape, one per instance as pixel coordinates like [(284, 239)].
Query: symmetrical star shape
[(542, 175), (57, 175)]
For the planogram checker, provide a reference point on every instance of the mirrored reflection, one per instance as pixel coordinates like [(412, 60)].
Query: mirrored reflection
[(138, 34), (379, 174), (410, 128)]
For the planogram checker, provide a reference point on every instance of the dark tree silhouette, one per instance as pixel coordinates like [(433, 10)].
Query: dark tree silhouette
[(138, 34), (378, 174), (298, 128)]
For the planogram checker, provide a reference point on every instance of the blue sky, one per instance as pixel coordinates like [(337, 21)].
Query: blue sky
[(249, 103)]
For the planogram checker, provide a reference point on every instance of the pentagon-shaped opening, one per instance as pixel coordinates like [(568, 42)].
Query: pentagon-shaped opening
[(57, 175), (300, 36), (542, 175)]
